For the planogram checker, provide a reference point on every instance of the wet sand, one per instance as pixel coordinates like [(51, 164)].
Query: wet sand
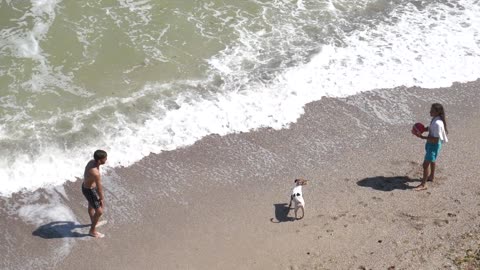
[(221, 203)]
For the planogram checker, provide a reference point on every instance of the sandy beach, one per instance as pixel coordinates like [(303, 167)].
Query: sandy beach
[(221, 203)]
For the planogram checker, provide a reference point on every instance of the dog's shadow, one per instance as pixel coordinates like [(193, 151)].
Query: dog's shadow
[(281, 213), (387, 183)]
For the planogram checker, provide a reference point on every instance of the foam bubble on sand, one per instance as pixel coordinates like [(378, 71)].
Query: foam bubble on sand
[(50, 213), (40, 214), (44, 207)]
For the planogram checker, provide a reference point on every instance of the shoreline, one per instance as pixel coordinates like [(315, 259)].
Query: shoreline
[(210, 205)]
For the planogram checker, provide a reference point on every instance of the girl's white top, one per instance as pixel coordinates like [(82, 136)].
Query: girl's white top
[(437, 129)]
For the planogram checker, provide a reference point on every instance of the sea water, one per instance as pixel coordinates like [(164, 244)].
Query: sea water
[(135, 77)]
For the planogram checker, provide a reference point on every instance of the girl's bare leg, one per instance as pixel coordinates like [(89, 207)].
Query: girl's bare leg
[(423, 185), (432, 172)]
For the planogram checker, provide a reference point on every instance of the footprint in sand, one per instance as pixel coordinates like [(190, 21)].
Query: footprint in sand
[(418, 226), (341, 215), (440, 222), (363, 204), (415, 221), (451, 215)]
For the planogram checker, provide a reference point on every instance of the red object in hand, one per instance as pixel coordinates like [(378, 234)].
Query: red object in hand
[(418, 128)]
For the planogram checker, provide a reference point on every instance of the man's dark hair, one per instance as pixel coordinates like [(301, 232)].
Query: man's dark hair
[(99, 154)]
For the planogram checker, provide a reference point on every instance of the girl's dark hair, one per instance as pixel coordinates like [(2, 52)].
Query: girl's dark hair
[(99, 154), (441, 112)]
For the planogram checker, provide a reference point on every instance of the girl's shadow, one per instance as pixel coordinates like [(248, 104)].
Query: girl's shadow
[(387, 183), (281, 213), (60, 229)]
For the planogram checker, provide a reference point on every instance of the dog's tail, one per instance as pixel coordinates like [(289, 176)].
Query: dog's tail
[(303, 212)]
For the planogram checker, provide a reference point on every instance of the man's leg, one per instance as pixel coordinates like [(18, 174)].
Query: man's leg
[(96, 217), (91, 212)]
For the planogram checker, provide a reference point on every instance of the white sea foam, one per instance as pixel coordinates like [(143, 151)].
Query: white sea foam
[(134, 15), (300, 4), (26, 43), (432, 47), (23, 42), (142, 8)]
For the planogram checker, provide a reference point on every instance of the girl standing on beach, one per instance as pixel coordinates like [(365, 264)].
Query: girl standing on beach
[(437, 134)]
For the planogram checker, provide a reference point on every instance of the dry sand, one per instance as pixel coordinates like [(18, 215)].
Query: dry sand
[(220, 204)]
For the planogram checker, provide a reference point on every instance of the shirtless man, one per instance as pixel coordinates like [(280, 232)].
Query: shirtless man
[(93, 191)]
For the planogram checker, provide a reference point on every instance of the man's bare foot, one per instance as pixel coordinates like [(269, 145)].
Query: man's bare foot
[(96, 234), (430, 179), (420, 187)]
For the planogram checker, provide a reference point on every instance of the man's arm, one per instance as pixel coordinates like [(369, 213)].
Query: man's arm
[(98, 182)]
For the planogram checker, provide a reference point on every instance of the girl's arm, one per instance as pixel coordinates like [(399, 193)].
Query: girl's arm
[(430, 139)]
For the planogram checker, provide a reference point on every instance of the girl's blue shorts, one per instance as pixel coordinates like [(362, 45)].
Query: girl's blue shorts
[(432, 150)]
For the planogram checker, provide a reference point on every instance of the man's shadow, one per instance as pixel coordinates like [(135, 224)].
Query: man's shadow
[(281, 213), (60, 229), (387, 183)]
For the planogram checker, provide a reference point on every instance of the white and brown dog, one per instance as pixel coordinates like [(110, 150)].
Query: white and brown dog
[(297, 197)]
